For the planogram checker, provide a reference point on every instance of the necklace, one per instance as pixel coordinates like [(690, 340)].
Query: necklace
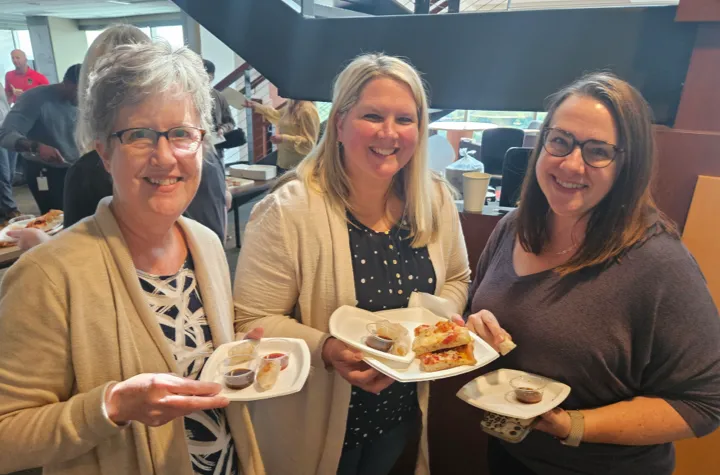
[(563, 252)]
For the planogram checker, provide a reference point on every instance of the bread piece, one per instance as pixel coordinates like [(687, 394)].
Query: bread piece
[(443, 335), (507, 345), (440, 360)]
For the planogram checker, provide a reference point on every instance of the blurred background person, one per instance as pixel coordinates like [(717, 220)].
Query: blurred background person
[(223, 121), (22, 78), (41, 125), (297, 127), (8, 207)]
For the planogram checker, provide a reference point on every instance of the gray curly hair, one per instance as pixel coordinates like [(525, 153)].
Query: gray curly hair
[(131, 74)]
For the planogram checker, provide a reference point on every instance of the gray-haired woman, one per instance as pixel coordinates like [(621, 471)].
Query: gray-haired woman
[(99, 369)]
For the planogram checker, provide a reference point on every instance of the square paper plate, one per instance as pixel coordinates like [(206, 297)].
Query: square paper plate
[(492, 392), (291, 379), (348, 325)]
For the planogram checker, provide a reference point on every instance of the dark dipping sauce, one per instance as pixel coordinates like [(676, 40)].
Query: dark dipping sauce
[(379, 343), (239, 378), (528, 395)]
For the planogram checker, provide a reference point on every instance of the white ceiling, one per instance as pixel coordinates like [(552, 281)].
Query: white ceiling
[(17, 10)]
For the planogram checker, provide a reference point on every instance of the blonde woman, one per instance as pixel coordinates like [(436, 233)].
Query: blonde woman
[(298, 127), (360, 222)]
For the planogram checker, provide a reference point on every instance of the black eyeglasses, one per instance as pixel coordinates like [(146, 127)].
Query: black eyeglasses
[(595, 153), (182, 139)]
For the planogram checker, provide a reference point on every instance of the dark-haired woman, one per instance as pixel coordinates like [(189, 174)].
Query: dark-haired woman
[(598, 292)]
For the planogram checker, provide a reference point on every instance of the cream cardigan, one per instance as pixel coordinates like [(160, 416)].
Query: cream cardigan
[(73, 318), (296, 260)]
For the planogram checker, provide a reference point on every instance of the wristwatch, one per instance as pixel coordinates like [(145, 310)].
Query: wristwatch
[(577, 429)]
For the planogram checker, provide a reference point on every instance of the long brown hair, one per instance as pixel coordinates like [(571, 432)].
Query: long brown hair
[(624, 217)]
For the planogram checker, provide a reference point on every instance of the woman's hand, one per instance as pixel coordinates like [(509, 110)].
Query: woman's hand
[(250, 104), (556, 423), (486, 326), (28, 238), (277, 139), (156, 399), (349, 364), (254, 334)]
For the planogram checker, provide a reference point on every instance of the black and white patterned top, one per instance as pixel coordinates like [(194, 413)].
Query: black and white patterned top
[(176, 301), (386, 270)]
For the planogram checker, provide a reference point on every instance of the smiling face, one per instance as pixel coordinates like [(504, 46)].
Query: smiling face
[(380, 132), (571, 187), (157, 182)]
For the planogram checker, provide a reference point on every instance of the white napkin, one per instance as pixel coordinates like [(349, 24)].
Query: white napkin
[(437, 305)]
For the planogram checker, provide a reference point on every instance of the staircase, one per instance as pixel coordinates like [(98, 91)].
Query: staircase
[(500, 60)]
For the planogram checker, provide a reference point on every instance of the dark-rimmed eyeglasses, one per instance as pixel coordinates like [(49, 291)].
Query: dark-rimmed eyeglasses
[(595, 153), (182, 139)]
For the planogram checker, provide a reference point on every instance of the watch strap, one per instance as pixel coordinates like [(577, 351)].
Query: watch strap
[(577, 429)]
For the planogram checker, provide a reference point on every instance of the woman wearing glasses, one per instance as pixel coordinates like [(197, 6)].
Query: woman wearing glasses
[(597, 291), (105, 329)]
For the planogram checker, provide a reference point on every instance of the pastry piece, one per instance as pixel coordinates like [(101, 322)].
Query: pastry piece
[(445, 359), (244, 348), (268, 373), (507, 345), (445, 334)]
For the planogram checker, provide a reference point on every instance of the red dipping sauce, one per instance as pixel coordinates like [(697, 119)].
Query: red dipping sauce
[(284, 359)]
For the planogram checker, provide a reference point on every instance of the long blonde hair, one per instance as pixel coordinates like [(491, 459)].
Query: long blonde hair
[(324, 170)]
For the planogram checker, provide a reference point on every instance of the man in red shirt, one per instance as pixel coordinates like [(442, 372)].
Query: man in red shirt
[(23, 78)]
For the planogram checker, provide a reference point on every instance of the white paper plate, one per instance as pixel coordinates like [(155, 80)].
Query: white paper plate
[(11, 227), (349, 325), (492, 392), (291, 379), (484, 354)]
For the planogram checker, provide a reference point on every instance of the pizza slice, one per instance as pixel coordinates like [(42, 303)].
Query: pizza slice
[(440, 360), (445, 334), (48, 221)]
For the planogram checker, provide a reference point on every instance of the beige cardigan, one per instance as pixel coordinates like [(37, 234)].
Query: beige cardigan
[(73, 318), (296, 260)]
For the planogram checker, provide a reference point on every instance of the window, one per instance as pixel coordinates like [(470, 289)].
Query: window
[(172, 34), (323, 110), (22, 41), (520, 120), (7, 44)]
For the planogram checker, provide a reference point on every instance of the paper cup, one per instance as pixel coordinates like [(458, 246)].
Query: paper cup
[(475, 185)]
